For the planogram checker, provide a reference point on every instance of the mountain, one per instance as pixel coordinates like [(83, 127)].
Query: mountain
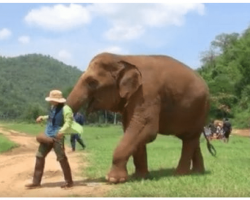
[(26, 80)]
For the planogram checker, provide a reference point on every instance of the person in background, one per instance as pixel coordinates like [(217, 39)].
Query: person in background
[(227, 129), (76, 136), (212, 127), (59, 122)]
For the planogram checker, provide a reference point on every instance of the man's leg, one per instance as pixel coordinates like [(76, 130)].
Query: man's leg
[(73, 142), (226, 137), (42, 152), (80, 141), (63, 160)]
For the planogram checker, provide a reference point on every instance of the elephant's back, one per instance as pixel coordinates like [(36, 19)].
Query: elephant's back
[(163, 71)]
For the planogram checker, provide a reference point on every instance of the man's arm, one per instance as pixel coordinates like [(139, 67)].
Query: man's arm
[(69, 126), (42, 118), (68, 119), (45, 117)]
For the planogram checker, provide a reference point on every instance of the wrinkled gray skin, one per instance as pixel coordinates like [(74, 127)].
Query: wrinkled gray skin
[(154, 94)]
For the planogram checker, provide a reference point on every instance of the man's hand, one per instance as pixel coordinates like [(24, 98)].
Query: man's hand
[(59, 136), (39, 119)]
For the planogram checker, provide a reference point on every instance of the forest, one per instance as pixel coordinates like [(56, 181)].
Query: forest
[(26, 80), (226, 70)]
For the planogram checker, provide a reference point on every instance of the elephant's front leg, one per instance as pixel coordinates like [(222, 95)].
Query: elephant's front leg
[(140, 162), (138, 132)]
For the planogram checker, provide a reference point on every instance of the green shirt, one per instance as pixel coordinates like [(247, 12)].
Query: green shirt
[(69, 126)]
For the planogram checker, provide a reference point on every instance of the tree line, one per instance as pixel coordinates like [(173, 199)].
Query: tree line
[(26, 80), (226, 69)]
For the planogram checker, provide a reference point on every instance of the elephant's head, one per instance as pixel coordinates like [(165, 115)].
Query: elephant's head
[(108, 82)]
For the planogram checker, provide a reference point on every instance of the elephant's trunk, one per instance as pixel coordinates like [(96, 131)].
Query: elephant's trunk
[(77, 97)]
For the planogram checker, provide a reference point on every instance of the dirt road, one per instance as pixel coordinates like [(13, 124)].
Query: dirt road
[(241, 132), (17, 166)]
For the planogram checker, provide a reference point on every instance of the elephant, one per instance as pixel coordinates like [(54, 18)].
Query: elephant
[(155, 94)]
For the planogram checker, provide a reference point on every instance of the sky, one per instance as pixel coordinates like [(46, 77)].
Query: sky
[(75, 33)]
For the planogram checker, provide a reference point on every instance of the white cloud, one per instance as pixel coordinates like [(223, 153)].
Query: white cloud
[(169, 14), (64, 55), (59, 17), (124, 33), (5, 34), (24, 39), (129, 21)]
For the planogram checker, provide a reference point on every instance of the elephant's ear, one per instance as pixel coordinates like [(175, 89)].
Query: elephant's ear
[(130, 79)]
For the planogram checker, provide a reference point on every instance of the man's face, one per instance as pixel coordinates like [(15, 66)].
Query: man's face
[(53, 103)]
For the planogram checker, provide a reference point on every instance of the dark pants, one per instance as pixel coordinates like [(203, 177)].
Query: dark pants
[(226, 134), (76, 137), (58, 147)]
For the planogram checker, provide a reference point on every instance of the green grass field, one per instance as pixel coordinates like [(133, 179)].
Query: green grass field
[(6, 144), (227, 175)]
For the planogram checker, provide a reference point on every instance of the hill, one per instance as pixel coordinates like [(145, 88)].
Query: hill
[(26, 80)]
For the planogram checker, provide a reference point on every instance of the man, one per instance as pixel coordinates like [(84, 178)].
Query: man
[(59, 122), (227, 128), (76, 136)]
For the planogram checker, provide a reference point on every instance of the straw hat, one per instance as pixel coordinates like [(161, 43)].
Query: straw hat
[(55, 95)]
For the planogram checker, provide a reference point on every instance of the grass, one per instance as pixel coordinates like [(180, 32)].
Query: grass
[(6, 144), (227, 175)]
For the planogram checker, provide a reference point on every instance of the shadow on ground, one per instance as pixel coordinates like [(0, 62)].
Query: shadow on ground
[(154, 175), (162, 173), (85, 182)]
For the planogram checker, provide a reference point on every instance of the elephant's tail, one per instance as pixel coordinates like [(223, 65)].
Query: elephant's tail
[(210, 147)]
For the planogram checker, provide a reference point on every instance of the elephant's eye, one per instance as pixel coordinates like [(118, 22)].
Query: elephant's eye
[(92, 84)]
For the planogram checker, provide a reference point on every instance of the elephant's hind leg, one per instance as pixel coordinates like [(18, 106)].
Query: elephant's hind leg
[(198, 163), (140, 162), (189, 147)]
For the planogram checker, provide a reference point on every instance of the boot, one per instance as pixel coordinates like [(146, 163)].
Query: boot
[(38, 173), (66, 172)]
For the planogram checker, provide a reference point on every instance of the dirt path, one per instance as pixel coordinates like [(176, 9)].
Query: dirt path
[(17, 166), (241, 132)]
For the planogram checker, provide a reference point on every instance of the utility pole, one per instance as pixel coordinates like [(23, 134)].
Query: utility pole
[(114, 118)]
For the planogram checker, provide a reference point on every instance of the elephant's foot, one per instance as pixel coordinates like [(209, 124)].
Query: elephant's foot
[(141, 174), (198, 167), (180, 171), (198, 170), (198, 163), (117, 175)]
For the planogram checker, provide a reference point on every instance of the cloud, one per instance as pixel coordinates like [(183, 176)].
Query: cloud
[(5, 34), (124, 33), (129, 21), (24, 39), (59, 17), (64, 55)]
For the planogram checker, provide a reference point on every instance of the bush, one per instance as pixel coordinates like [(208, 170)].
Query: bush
[(32, 112)]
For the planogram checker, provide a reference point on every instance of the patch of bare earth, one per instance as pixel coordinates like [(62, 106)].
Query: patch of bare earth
[(17, 167), (241, 132)]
